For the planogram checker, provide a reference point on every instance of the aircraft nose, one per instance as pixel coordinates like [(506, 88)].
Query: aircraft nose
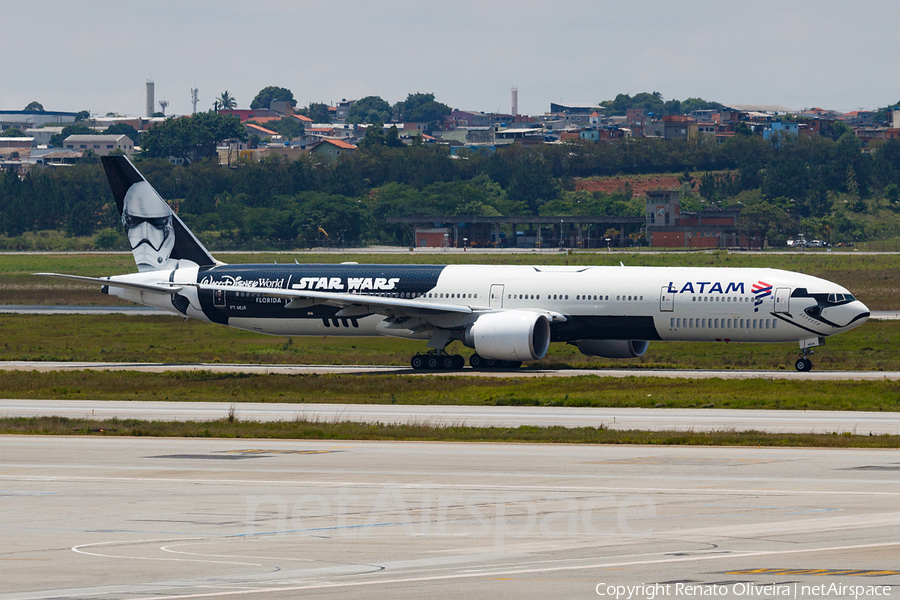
[(859, 314)]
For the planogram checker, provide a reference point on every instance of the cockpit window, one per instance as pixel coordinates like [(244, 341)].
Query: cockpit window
[(835, 298)]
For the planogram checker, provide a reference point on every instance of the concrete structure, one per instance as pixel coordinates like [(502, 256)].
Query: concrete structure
[(781, 128), (433, 237), (668, 227), (42, 135), (526, 231), (679, 127), (115, 517), (150, 98), (101, 145), (33, 118)]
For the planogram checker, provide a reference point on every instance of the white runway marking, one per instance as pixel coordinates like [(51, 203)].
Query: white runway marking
[(507, 573)]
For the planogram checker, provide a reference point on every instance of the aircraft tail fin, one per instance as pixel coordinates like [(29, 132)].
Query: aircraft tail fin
[(158, 238)]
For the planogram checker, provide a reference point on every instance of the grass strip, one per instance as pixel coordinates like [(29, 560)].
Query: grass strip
[(231, 428), (125, 338), (582, 391)]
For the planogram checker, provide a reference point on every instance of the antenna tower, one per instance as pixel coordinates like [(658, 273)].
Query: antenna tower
[(163, 105), (194, 98)]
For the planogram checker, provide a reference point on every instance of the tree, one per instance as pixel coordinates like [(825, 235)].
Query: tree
[(377, 136), (124, 128), (270, 94), (765, 221), (35, 106), (12, 132), (82, 115), (226, 101), (371, 109), (318, 112), (191, 138), (289, 127), (422, 108), (75, 129)]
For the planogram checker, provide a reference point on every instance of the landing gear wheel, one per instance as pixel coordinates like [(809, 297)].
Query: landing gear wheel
[(417, 362), (458, 362), (432, 362), (447, 362), (476, 362), (803, 364)]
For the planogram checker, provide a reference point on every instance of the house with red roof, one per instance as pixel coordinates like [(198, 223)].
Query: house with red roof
[(330, 149)]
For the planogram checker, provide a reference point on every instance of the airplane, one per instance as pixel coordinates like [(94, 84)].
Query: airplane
[(507, 314)]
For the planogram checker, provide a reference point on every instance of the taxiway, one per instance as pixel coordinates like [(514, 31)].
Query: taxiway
[(176, 519)]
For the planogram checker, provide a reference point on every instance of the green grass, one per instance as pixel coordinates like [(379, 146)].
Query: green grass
[(169, 339), (312, 430), (584, 391)]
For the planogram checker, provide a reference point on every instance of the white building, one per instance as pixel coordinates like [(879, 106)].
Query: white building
[(101, 145)]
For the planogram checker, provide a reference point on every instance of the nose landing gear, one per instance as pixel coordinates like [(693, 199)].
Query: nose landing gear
[(803, 364)]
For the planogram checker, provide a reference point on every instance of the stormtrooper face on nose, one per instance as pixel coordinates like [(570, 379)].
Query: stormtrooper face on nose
[(148, 225)]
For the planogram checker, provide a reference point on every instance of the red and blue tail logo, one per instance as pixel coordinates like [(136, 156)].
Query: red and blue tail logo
[(760, 290)]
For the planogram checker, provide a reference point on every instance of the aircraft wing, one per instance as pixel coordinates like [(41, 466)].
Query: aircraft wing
[(377, 304), (361, 304), (162, 287)]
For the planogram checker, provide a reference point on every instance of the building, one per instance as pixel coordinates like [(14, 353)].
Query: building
[(260, 131), (247, 114), (668, 227), (34, 118), (101, 145), (433, 237), (330, 149), (42, 135), (679, 127), (780, 128), (15, 148)]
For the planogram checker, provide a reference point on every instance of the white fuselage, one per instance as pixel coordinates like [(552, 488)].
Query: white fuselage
[(642, 303)]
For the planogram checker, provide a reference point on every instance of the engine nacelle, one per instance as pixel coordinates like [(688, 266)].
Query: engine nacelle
[(509, 335), (613, 348)]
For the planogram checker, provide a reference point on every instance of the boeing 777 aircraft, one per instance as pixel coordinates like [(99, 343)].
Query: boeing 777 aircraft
[(508, 314)]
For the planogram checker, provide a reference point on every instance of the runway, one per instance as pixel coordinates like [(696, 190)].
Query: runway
[(170, 518), (651, 419), (282, 369)]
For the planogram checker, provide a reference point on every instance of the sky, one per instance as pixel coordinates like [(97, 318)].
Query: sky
[(97, 55)]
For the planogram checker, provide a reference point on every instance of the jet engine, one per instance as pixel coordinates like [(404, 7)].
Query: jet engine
[(514, 335), (613, 348)]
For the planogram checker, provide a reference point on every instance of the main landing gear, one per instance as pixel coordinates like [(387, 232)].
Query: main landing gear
[(437, 362), (455, 362)]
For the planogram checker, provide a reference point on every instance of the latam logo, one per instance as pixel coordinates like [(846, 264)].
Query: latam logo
[(760, 290), (700, 287)]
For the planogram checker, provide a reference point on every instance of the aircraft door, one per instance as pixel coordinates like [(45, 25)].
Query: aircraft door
[(219, 298), (496, 296), (666, 300), (782, 300)]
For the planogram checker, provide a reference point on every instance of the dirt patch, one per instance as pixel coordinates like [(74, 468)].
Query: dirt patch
[(639, 185)]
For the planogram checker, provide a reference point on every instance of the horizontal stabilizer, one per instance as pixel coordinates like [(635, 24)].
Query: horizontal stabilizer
[(161, 288)]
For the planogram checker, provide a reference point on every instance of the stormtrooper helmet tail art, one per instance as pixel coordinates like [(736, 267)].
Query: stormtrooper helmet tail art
[(158, 238)]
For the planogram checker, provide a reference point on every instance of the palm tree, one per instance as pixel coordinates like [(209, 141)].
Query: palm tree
[(226, 101)]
